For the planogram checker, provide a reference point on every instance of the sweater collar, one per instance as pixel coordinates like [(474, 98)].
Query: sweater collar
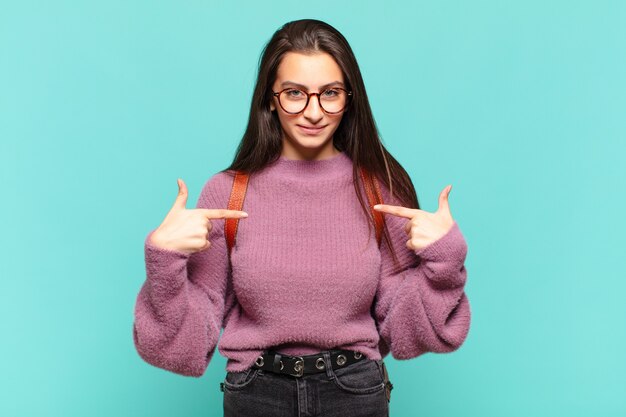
[(329, 168)]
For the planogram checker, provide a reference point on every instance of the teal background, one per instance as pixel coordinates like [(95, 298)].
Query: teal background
[(519, 105)]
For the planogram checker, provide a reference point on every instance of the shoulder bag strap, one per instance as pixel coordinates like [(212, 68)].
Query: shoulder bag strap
[(235, 202), (374, 197)]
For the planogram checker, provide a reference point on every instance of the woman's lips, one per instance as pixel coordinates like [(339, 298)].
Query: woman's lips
[(311, 131)]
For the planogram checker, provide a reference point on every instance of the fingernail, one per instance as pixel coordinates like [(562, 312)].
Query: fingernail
[(244, 214)]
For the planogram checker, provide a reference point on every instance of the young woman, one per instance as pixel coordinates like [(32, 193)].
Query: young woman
[(310, 302)]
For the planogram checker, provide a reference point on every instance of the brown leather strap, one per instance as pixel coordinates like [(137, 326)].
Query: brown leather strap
[(374, 197), (240, 185), (235, 202)]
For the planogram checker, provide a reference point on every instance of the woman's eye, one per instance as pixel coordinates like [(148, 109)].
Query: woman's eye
[(331, 93), (294, 93)]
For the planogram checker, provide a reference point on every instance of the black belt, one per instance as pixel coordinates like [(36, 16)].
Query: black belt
[(309, 364)]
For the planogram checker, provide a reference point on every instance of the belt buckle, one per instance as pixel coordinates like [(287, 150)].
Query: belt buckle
[(299, 366)]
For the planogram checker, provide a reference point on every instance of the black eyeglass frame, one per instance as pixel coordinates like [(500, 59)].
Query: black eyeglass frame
[(319, 101)]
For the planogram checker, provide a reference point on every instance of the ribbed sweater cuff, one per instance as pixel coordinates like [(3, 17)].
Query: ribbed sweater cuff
[(449, 247), (165, 267), (158, 254)]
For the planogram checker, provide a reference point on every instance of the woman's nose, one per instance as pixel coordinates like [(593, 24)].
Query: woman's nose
[(313, 111)]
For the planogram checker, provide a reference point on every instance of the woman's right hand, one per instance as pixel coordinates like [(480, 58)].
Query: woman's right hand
[(187, 230)]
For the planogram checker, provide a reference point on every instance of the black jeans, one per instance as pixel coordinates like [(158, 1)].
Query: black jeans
[(358, 390)]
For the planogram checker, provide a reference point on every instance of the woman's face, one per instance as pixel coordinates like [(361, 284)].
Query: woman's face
[(310, 73)]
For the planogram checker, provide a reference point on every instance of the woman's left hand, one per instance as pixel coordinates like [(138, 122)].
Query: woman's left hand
[(423, 228)]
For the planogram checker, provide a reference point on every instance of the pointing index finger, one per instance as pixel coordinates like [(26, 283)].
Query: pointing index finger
[(395, 210), (224, 214)]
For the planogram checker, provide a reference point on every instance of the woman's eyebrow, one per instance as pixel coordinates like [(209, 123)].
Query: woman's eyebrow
[(284, 83)]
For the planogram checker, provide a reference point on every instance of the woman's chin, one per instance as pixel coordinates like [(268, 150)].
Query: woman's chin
[(310, 143)]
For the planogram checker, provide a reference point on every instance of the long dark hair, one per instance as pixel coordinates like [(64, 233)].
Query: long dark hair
[(357, 134)]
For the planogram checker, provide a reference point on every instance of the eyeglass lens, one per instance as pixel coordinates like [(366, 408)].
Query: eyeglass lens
[(332, 100)]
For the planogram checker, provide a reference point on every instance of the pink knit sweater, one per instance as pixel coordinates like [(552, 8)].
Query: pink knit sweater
[(307, 275)]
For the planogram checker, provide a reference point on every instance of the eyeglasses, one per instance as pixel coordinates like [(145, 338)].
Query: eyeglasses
[(332, 100)]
